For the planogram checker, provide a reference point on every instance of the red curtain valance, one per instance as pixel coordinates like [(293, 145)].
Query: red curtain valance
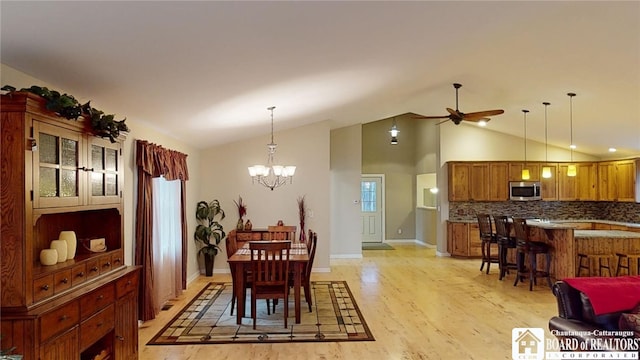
[(156, 160)]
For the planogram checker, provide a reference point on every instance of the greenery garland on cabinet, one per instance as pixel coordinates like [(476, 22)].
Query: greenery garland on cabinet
[(68, 107)]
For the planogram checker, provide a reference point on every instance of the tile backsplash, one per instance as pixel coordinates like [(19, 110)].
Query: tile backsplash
[(555, 210)]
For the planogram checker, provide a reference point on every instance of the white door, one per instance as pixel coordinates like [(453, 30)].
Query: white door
[(371, 208)]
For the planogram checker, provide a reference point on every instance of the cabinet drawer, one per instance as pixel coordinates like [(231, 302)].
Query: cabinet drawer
[(93, 268), (126, 284), (59, 320), (61, 281), (117, 259), (78, 274), (42, 288), (96, 300), (105, 264), (96, 327)]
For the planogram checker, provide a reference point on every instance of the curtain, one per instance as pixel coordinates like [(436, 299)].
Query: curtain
[(153, 161), (167, 244)]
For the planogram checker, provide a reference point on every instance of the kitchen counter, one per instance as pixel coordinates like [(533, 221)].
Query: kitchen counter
[(610, 234)]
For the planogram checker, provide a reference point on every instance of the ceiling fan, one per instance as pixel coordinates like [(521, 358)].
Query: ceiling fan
[(458, 116)]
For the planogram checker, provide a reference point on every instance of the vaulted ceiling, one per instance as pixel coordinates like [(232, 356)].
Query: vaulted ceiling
[(205, 72)]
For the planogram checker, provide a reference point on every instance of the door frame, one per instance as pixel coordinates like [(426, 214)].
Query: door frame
[(382, 202)]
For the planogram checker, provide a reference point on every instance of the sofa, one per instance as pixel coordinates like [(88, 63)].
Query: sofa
[(578, 322)]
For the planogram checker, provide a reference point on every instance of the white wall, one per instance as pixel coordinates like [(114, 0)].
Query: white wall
[(346, 164), (13, 77), (224, 176)]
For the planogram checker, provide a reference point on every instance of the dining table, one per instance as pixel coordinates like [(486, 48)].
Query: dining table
[(241, 260)]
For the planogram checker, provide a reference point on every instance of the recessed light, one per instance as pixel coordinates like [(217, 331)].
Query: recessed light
[(612, 149), (482, 123), (572, 146)]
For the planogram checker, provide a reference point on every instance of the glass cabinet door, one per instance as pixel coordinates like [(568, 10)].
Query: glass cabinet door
[(105, 167), (57, 160)]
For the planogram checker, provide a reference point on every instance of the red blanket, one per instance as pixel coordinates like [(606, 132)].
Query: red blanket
[(609, 294)]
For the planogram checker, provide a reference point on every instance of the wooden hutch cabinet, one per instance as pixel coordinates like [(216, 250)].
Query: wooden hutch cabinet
[(57, 176)]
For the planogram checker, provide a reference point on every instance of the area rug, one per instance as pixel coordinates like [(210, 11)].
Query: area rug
[(207, 320), (376, 246)]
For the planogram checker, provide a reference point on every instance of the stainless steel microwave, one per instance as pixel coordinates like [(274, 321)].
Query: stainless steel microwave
[(524, 190)]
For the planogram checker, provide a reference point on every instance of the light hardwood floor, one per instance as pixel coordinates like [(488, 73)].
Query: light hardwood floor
[(417, 305)]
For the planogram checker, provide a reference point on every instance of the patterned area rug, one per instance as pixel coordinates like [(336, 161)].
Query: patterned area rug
[(207, 319)]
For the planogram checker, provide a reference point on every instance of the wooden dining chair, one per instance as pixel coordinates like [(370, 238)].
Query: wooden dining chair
[(232, 248), (282, 232), (270, 271), (306, 274)]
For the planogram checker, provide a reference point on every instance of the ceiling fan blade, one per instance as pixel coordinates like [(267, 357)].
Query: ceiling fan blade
[(482, 114), (432, 117), (441, 122), (453, 112)]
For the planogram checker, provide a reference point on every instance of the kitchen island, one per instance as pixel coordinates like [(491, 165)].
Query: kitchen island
[(567, 242)]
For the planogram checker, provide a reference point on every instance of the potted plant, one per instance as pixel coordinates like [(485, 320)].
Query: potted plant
[(209, 231)]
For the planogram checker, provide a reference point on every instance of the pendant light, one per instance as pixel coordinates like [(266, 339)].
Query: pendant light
[(394, 133), (525, 171), (546, 170), (571, 169)]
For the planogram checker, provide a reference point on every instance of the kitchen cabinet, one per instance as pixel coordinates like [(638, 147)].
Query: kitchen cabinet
[(478, 181), (463, 239), (515, 171), (57, 176), (549, 186), (498, 181), (617, 180), (581, 187), (459, 181)]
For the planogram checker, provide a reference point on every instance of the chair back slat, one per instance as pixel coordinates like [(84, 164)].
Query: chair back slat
[(270, 262), (503, 226), (521, 229), (484, 223)]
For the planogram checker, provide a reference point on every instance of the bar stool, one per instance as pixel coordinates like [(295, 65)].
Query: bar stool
[(505, 242), (603, 263), (525, 247), (488, 238), (620, 265)]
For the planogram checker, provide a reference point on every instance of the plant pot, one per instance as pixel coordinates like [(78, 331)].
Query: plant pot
[(240, 225), (208, 264)]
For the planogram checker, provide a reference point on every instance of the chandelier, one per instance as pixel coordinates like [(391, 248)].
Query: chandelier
[(270, 175)]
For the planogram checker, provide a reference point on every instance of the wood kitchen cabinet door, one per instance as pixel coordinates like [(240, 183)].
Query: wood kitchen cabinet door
[(581, 187), (549, 185), (459, 175), (515, 171), (617, 180), (457, 238), (479, 182), (498, 182), (587, 180)]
